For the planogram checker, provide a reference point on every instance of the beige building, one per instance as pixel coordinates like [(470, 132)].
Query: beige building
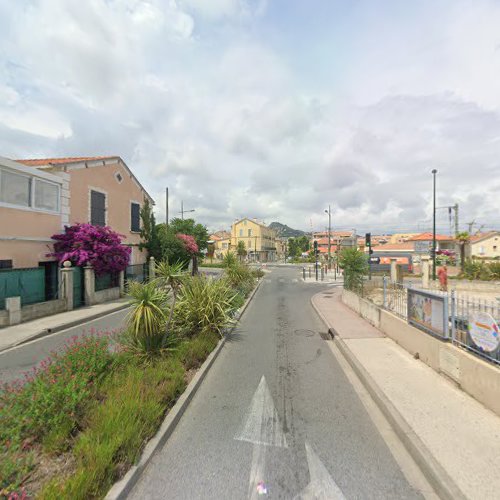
[(101, 191), (259, 240), (221, 240), (484, 245), (401, 237), (32, 204)]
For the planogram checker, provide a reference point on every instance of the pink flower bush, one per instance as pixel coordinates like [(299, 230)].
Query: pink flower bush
[(189, 243), (97, 246)]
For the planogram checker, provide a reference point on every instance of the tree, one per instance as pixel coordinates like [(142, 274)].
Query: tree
[(88, 245), (176, 247), (297, 246), (188, 226), (241, 249), (149, 232), (463, 238), (355, 266)]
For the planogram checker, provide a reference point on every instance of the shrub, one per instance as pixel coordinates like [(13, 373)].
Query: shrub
[(145, 333), (355, 266), (195, 351), (97, 246), (230, 260), (134, 402), (204, 305)]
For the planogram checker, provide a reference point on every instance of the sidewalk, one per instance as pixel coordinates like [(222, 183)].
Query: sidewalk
[(12, 336), (454, 439)]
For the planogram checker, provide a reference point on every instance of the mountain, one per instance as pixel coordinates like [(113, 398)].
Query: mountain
[(284, 231)]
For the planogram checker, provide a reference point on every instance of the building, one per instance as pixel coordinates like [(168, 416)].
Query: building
[(281, 248), (259, 240), (400, 237), (97, 190), (33, 206), (423, 243), (484, 245), (221, 240)]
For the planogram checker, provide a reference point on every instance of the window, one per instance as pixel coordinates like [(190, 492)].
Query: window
[(97, 208), (119, 177), (15, 189), (46, 195), (249, 232), (494, 248), (241, 232), (224, 245), (5, 264), (135, 218)]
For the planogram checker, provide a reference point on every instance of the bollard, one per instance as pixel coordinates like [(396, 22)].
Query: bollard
[(309, 272), (322, 274), (304, 273), (385, 291)]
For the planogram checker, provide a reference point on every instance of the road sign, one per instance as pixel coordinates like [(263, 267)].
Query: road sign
[(374, 260)]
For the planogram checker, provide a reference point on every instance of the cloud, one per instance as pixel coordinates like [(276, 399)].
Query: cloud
[(211, 100)]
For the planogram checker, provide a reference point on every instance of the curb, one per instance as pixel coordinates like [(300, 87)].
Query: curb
[(63, 326), (123, 487), (436, 475)]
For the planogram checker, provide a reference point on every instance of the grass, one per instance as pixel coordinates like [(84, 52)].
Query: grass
[(96, 409)]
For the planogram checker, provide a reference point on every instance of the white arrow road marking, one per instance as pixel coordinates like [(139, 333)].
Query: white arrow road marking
[(321, 486), (262, 428), (262, 425)]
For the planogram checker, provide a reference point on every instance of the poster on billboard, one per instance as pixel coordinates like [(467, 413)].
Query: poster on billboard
[(484, 331), (428, 311)]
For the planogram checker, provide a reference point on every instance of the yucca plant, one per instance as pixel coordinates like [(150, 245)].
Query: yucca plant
[(146, 321), (169, 277), (205, 305), (230, 260)]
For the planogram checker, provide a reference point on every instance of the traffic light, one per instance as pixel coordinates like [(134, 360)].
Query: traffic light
[(315, 248), (368, 242)]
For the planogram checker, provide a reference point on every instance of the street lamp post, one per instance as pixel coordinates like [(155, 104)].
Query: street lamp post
[(182, 212), (434, 172), (329, 212)]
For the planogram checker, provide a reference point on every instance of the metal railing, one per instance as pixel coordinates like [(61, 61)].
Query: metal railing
[(137, 272), (470, 322)]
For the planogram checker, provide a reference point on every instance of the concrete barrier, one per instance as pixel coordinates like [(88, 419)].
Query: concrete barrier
[(476, 377)]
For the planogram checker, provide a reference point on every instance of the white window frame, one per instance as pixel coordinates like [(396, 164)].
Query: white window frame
[(31, 203)]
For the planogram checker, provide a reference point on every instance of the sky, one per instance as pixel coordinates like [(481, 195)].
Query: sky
[(273, 109)]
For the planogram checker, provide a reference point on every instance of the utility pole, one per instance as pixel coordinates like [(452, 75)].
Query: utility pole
[(434, 172), (456, 219), (329, 212), (166, 205)]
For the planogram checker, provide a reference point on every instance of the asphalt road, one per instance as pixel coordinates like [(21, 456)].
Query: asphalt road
[(14, 362), (276, 416)]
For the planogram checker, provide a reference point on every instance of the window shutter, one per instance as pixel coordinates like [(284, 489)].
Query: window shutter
[(97, 208), (135, 218)]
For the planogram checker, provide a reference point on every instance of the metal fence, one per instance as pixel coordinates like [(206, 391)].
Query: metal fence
[(105, 281), (137, 272), (469, 322), (27, 283)]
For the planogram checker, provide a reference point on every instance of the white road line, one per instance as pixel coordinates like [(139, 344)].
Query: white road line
[(321, 486), (262, 425), (262, 428)]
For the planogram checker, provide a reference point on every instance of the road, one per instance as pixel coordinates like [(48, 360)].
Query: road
[(276, 416), (14, 362)]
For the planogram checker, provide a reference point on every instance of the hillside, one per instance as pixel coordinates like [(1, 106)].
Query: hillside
[(284, 231)]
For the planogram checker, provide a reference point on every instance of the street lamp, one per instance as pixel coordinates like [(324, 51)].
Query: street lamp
[(329, 212), (434, 172), (182, 212)]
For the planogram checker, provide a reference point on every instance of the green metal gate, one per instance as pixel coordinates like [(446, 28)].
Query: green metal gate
[(78, 287), (28, 283)]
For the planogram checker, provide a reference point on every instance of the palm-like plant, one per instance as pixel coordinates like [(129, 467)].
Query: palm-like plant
[(229, 260), (462, 238), (169, 277), (147, 318)]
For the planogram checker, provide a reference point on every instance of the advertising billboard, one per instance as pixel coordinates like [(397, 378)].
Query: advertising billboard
[(428, 312)]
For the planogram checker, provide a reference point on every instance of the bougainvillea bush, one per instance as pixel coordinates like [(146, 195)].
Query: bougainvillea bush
[(189, 243), (88, 245)]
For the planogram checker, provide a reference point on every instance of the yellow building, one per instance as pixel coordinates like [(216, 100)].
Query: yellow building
[(259, 240), (221, 240)]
